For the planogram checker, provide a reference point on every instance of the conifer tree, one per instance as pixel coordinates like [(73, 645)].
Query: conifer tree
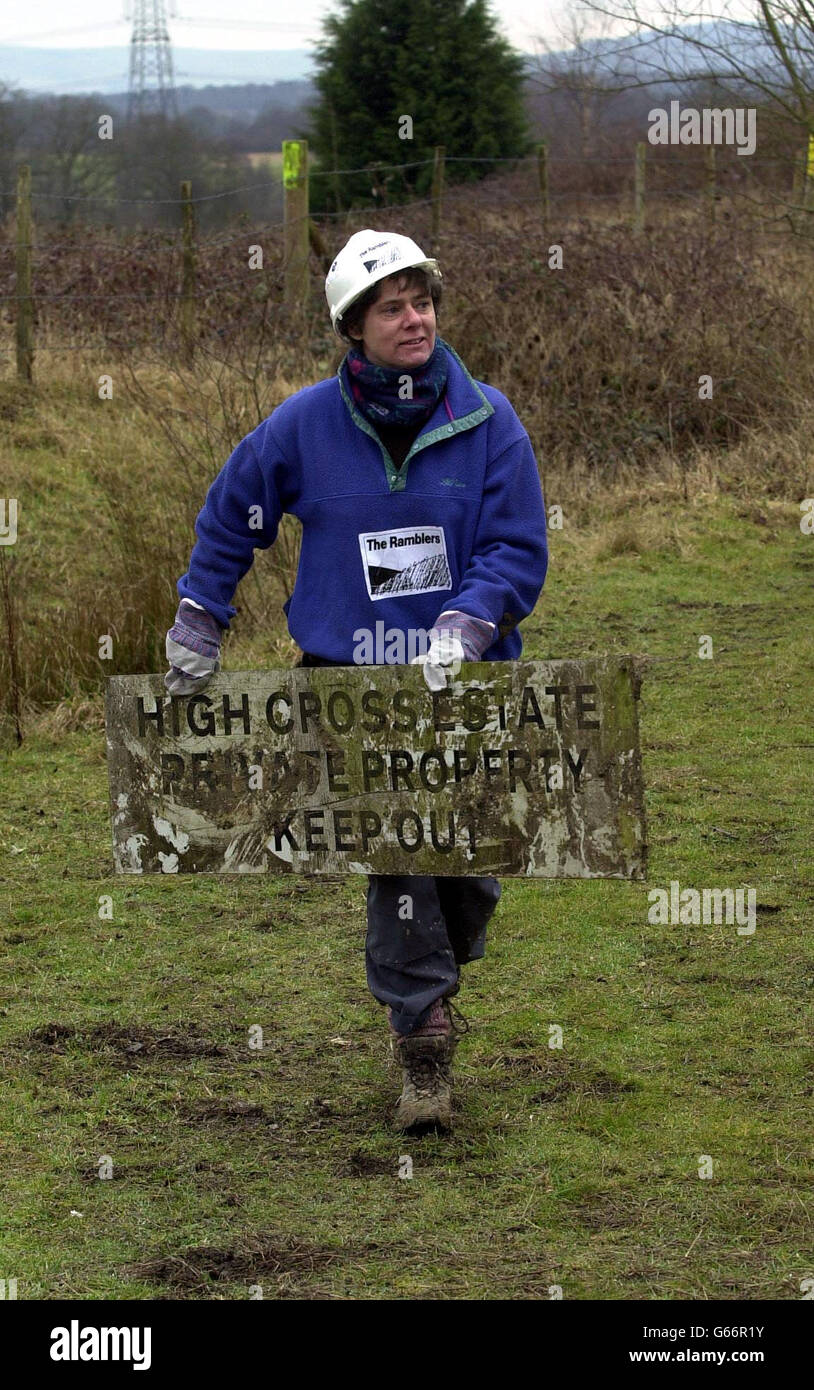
[(441, 63)]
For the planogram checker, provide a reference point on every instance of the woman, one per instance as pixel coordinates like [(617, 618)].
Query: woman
[(420, 502)]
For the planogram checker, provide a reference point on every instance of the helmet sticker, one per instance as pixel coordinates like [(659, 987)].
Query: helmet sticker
[(387, 258)]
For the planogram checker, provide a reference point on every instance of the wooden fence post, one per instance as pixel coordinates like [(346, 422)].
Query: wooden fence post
[(542, 174), (295, 217), (188, 268), (709, 182), (25, 304), (638, 188), (437, 194)]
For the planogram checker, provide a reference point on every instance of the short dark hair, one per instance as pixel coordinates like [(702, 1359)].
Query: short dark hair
[(354, 316)]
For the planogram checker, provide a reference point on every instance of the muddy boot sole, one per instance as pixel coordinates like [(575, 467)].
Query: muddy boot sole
[(412, 1118)]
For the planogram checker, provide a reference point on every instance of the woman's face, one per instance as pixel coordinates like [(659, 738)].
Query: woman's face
[(399, 328)]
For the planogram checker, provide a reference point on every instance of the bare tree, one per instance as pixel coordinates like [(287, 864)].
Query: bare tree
[(70, 161), (577, 74), (766, 59)]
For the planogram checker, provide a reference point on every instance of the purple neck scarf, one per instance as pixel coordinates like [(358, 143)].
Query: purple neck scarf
[(376, 389)]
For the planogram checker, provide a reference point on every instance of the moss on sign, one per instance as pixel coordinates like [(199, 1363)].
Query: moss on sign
[(517, 768)]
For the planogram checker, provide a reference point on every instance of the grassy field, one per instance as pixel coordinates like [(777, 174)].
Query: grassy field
[(128, 1038)]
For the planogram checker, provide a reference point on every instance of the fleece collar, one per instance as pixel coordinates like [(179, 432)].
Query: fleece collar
[(462, 407)]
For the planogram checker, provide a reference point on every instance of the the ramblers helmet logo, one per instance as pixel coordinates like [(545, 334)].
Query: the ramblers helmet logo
[(377, 262)]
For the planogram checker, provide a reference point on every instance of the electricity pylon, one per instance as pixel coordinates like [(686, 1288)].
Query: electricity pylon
[(152, 83)]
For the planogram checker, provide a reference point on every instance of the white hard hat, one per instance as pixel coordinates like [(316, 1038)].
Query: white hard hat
[(367, 257)]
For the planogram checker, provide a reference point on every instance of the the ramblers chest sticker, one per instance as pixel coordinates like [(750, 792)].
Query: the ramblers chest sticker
[(407, 560)]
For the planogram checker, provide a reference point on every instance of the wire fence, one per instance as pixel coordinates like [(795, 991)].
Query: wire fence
[(210, 279), (516, 161)]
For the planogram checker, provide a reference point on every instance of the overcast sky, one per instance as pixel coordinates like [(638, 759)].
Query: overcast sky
[(250, 23)]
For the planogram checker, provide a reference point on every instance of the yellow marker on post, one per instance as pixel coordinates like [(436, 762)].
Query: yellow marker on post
[(292, 163)]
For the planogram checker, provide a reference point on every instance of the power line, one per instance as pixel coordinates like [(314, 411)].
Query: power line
[(240, 24)]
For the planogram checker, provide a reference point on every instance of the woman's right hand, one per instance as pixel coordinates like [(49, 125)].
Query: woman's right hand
[(193, 649)]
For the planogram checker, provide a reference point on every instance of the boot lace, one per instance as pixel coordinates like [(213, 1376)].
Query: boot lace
[(426, 1070), (460, 1024)]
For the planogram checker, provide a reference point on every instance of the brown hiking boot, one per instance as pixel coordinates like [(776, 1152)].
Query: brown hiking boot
[(426, 1057)]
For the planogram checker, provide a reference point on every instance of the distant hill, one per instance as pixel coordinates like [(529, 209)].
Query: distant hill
[(82, 71), (218, 110), (651, 59), (253, 100)]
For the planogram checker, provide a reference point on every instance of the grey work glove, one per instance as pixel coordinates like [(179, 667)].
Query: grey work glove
[(193, 649), (456, 637), (444, 657)]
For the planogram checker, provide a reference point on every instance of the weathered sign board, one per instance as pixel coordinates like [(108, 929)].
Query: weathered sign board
[(517, 768)]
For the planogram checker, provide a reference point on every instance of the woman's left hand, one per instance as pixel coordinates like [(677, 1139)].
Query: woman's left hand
[(445, 655)]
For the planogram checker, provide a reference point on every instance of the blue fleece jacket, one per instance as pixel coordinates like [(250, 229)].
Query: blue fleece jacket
[(460, 526)]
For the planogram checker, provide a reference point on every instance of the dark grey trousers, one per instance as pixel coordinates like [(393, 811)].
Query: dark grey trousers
[(420, 930)]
